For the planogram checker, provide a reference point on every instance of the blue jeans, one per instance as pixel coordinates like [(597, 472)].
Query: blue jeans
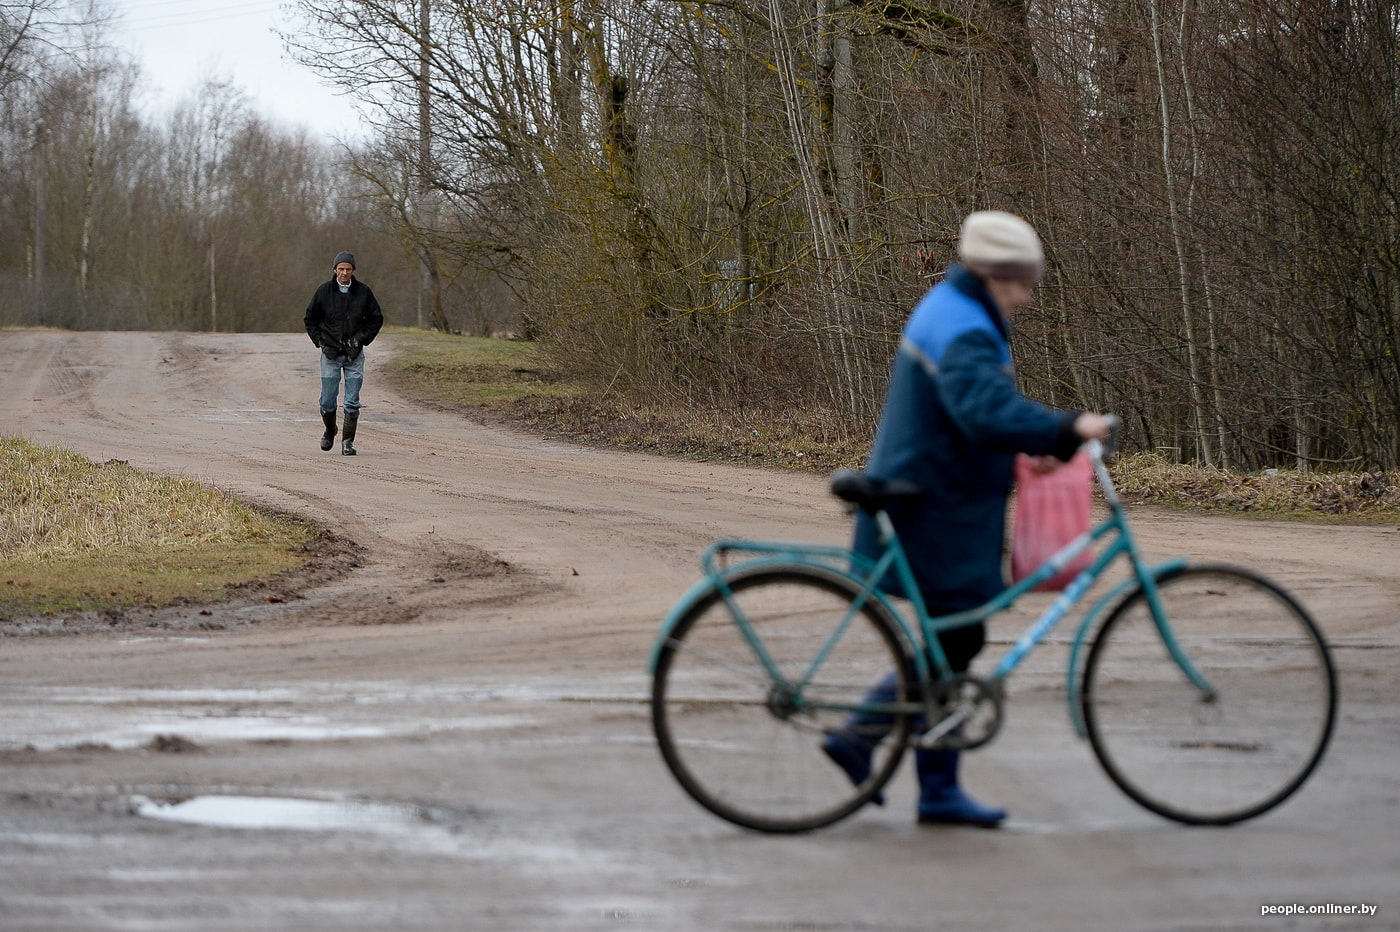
[(331, 370)]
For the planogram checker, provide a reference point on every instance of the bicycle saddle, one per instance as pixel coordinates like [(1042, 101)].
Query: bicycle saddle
[(870, 494)]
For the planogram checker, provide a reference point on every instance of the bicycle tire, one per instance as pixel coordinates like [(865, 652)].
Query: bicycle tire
[(734, 744), (1198, 759)]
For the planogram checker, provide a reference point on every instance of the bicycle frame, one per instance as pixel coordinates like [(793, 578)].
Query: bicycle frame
[(930, 662)]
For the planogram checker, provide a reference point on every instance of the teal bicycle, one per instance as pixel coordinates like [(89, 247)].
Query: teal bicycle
[(1207, 692)]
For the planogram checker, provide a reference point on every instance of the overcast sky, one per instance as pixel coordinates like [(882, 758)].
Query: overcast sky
[(180, 43)]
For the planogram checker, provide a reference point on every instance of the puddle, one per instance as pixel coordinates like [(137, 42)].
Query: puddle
[(255, 728), (253, 416), (418, 829), (48, 718), (272, 812), (1088, 826)]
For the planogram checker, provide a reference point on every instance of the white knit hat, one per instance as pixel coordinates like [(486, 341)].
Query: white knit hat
[(1001, 245)]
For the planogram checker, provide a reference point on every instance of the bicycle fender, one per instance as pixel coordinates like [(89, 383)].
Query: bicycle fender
[(1072, 692), (694, 594), (710, 583), (668, 624)]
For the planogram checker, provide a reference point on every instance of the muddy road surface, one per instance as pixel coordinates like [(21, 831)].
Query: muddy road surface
[(455, 734)]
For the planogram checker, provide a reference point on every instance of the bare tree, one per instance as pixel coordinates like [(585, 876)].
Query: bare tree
[(737, 203), (26, 26), (206, 219)]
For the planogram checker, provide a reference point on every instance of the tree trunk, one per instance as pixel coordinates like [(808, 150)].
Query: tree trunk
[(1198, 417)]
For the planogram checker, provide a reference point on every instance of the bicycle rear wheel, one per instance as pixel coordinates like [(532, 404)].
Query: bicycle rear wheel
[(747, 747), (1220, 758)]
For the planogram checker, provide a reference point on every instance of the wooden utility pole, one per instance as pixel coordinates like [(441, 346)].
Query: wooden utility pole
[(425, 277), (41, 209), (213, 287), (430, 284)]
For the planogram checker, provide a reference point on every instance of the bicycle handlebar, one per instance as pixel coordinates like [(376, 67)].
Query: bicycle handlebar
[(1115, 434), (1101, 453)]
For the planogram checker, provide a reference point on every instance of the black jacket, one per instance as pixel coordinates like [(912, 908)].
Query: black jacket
[(332, 318)]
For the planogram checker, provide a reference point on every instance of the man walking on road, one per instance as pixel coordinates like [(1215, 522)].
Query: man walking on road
[(342, 319)]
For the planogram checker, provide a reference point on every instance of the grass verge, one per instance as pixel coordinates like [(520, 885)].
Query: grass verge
[(512, 382), (515, 383), (472, 372), (81, 536), (1372, 497)]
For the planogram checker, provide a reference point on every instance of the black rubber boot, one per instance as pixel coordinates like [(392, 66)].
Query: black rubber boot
[(347, 439), (328, 438)]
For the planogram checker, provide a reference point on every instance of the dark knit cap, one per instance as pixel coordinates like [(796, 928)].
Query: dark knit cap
[(344, 257)]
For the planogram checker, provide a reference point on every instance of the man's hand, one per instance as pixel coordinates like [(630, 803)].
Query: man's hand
[(352, 349)]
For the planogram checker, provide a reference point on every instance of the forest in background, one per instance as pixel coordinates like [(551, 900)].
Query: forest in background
[(735, 204), (208, 217)]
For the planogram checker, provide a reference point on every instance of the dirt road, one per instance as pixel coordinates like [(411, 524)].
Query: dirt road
[(455, 735)]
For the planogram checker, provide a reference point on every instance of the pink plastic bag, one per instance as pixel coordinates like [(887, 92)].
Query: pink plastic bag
[(1051, 510)]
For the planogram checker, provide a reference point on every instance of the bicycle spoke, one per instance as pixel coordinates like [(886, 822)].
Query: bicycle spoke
[(749, 748), (1221, 756)]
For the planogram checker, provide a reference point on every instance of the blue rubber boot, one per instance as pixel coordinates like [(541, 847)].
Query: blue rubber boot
[(941, 800), (852, 747)]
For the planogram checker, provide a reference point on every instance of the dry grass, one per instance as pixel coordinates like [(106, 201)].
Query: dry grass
[(77, 535), (1274, 493), (470, 372), (513, 382), (777, 437)]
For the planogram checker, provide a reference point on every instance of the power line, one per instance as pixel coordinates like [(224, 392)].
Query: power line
[(185, 7), (168, 15)]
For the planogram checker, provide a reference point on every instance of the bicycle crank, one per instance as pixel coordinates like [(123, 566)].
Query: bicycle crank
[(970, 710)]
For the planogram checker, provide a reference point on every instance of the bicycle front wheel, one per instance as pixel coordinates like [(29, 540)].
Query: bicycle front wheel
[(747, 745), (1237, 751)]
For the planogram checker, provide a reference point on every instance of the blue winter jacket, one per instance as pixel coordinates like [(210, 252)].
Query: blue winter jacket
[(953, 422)]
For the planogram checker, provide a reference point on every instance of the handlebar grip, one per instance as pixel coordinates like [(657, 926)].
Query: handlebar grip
[(1115, 434)]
